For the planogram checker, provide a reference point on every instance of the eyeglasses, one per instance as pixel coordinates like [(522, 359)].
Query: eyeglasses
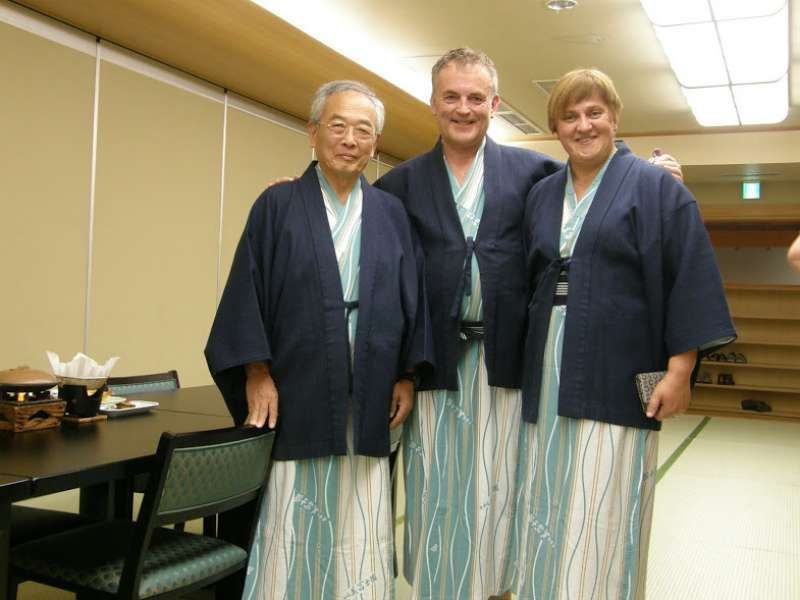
[(362, 133)]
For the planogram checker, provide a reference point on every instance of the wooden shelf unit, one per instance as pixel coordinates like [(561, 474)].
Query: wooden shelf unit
[(767, 319), (751, 225)]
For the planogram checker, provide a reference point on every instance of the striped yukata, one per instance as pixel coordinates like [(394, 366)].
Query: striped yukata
[(585, 496), (325, 528), (460, 453)]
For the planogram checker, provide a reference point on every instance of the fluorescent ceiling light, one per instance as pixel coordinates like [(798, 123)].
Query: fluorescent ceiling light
[(738, 9), (762, 103), (694, 54), (731, 57), (756, 49), (712, 107), (677, 12)]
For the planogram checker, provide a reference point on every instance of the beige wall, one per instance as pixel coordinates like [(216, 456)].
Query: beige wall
[(156, 221), (250, 164), (46, 132)]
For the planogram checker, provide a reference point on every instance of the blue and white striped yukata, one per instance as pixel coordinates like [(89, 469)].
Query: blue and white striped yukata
[(460, 453), (586, 488), (325, 528)]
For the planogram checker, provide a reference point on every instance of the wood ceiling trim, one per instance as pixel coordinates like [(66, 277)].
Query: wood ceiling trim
[(241, 47)]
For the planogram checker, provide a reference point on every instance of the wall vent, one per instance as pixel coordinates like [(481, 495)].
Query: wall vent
[(517, 120)]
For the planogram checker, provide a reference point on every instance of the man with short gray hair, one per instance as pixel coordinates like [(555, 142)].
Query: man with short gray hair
[(329, 337)]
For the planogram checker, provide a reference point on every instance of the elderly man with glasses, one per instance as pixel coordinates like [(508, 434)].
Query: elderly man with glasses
[(323, 320)]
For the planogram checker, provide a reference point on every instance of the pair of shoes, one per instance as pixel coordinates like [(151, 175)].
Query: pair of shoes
[(725, 379), (755, 405), (736, 357), (704, 377)]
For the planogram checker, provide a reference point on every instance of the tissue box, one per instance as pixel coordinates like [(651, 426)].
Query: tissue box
[(30, 415)]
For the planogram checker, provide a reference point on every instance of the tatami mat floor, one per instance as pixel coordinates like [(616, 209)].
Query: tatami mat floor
[(727, 515)]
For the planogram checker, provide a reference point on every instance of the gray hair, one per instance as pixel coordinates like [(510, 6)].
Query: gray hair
[(344, 85), (466, 56)]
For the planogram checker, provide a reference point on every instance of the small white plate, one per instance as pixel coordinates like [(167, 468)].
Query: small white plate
[(109, 407)]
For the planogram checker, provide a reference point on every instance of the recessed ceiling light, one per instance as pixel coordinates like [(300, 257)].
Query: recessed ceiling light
[(559, 5)]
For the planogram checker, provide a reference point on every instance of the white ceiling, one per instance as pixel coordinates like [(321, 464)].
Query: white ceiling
[(529, 42)]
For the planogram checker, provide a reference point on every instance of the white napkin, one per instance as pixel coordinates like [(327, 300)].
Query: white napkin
[(81, 366)]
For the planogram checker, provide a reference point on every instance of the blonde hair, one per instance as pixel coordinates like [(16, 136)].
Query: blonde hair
[(579, 85)]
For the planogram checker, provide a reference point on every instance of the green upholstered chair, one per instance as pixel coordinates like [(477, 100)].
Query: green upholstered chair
[(142, 384), (29, 523), (195, 474), (131, 385)]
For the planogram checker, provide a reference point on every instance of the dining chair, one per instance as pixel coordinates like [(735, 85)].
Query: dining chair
[(29, 522), (194, 474), (141, 384), (131, 385)]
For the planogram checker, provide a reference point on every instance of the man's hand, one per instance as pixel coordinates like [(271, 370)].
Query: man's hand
[(668, 162), (281, 180), (673, 392), (793, 256), (262, 396), (402, 402)]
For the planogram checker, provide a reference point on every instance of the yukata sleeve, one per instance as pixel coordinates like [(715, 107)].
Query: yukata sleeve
[(417, 353), (696, 311), (239, 332)]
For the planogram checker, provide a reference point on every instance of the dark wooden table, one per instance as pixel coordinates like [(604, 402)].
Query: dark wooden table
[(96, 457), (202, 400)]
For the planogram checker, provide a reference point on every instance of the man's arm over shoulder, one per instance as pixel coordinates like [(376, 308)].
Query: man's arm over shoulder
[(395, 181)]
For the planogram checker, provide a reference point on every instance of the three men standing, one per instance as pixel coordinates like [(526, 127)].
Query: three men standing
[(288, 315)]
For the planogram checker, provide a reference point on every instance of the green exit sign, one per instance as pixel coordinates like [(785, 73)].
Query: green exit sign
[(751, 190)]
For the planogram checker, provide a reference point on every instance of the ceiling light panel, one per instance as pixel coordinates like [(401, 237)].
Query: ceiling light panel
[(712, 107), (763, 103), (676, 12), (732, 53), (694, 54), (738, 9), (756, 49)]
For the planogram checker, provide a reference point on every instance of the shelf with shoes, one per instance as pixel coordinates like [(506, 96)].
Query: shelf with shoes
[(761, 370)]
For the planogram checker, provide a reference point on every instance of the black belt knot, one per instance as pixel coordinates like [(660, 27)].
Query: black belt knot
[(562, 285), (471, 331)]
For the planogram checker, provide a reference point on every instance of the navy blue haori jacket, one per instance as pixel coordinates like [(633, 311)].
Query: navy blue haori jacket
[(423, 185), (643, 286), (283, 305)]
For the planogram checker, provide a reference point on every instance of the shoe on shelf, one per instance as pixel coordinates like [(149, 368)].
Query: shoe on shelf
[(725, 379), (755, 405)]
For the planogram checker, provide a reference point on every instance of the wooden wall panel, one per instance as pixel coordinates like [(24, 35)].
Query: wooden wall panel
[(45, 127), (156, 225)]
